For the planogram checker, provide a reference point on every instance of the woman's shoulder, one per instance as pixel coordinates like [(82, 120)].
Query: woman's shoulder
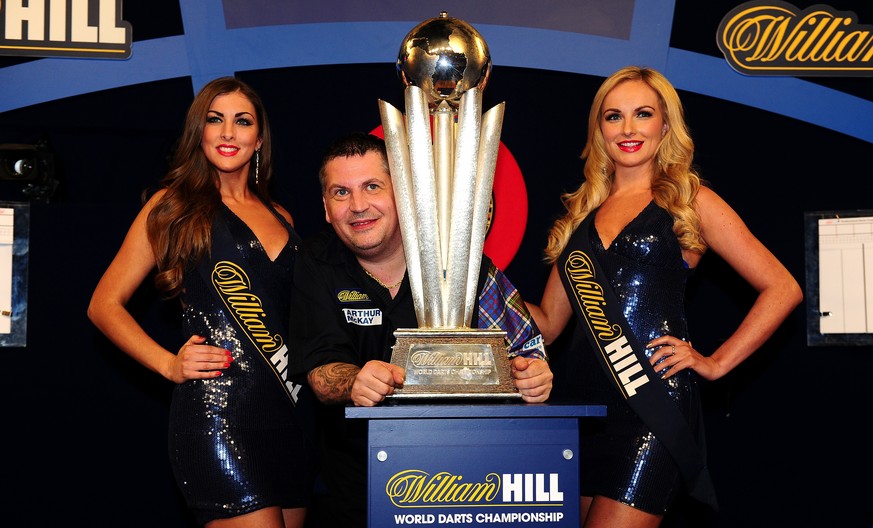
[(284, 212), (150, 203), (717, 218), (709, 201), (155, 197)]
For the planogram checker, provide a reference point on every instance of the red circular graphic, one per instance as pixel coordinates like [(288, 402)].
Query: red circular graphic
[(508, 216)]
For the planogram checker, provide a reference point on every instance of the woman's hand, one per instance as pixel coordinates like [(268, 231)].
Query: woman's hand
[(198, 361), (678, 355)]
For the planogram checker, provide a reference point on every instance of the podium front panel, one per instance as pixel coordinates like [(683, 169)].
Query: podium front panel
[(453, 472)]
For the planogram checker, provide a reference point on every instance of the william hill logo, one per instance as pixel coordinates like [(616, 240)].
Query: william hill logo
[(414, 487), (539, 494), (351, 296), (64, 28), (775, 38)]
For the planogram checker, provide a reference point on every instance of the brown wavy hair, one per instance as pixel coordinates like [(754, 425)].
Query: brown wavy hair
[(179, 225), (674, 187)]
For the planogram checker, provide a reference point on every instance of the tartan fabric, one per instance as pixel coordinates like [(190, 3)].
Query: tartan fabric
[(501, 307)]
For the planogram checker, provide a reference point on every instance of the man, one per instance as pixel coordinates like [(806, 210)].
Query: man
[(351, 294)]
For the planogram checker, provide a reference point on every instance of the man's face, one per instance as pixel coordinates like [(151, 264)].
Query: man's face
[(359, 204)]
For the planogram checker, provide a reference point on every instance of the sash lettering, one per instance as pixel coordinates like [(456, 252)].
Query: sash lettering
[(624, 366), (234, 288)]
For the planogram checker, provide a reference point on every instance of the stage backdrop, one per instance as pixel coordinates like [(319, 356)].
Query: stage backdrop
[(86, 426)]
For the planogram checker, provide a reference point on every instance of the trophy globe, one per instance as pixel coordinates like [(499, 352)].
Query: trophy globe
[(444, 57)]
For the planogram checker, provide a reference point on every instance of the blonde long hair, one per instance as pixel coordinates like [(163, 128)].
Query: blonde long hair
[(179, 226), (674, 187)]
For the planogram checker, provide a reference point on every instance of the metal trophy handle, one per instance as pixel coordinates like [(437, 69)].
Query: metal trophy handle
[(442, 156)]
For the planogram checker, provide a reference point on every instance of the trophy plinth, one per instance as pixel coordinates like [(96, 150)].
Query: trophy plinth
[(453, 363), (442, 155)]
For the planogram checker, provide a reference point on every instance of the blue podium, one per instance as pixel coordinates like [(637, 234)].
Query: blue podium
[(457, 464)]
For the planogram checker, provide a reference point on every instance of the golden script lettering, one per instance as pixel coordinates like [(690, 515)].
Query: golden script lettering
[(232, 284), (774, 38), (415, 487), (589, 295)]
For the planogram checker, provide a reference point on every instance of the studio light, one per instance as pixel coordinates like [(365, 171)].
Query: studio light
[(19, 162), (31, 165)]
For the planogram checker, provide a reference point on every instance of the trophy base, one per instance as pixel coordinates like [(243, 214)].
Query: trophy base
[(453, 364)]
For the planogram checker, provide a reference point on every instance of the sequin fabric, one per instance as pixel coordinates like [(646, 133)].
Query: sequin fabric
[(619, 457), (236, 444)]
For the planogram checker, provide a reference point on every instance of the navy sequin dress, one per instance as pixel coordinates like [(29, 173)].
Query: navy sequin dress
[(236, 443), (620, 458)]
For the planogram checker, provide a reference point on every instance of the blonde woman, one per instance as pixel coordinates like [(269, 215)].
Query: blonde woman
[(633, 233)]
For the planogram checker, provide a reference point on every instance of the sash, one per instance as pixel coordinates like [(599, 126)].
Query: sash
[(250, 308), (621, 356)]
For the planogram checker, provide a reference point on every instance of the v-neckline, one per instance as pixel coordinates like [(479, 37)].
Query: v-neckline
[(622, 230), (255, 236)]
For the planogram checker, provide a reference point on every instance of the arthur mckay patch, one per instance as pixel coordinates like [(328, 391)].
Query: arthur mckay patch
[(363, 314)]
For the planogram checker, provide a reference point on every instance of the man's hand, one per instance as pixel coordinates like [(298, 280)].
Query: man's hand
[(375, 381), (532, 378)]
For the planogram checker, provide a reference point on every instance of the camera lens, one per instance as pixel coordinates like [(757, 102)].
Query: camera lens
[(22, 168)]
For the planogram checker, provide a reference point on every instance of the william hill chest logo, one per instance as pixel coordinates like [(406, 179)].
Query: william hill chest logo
[(64, 28), (775, 38)]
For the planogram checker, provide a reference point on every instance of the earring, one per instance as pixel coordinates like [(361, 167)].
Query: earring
[(257, 165)]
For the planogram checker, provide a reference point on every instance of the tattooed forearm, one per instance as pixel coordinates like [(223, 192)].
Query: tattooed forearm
[(332, 383)]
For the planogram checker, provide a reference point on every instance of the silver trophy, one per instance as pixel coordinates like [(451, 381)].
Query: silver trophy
[(442, 156)]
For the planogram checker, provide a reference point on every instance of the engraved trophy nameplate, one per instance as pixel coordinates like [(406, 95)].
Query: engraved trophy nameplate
[(442, 155)]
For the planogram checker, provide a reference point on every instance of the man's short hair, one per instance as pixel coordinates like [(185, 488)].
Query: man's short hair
[(354, 144)]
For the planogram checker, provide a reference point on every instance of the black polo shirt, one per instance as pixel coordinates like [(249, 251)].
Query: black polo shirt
[(339, 314)]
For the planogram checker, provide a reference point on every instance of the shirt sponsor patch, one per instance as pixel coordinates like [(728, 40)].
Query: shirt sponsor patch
[(351, 295), (535, 346), (368, 317)]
